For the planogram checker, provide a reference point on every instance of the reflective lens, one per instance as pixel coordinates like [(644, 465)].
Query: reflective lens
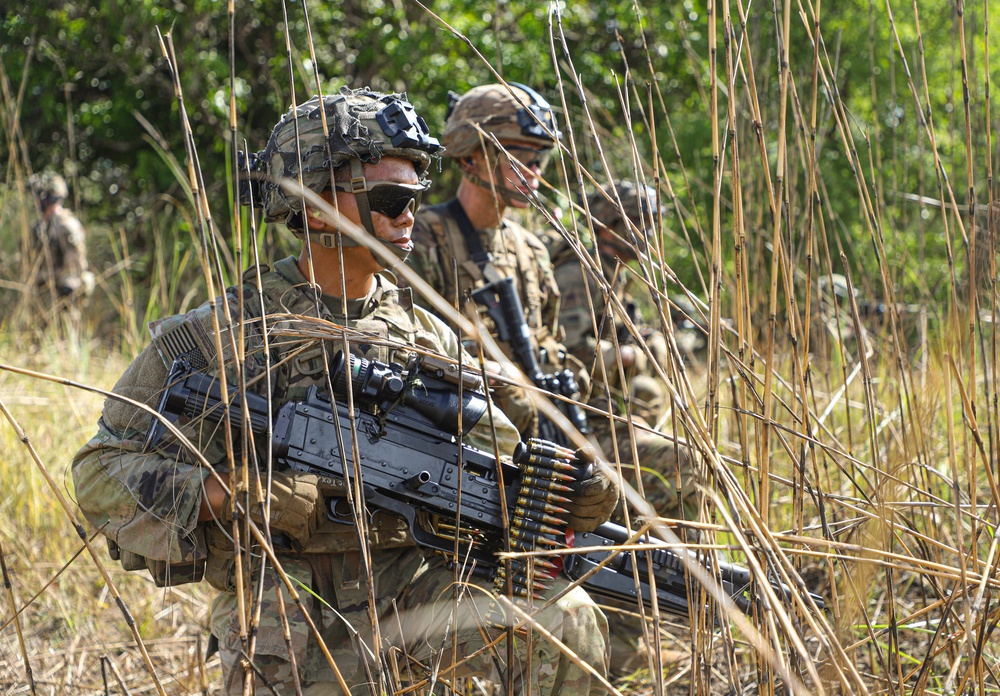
[(389, 197), (530, 157)]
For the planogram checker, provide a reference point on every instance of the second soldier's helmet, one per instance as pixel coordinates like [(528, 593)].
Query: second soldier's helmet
[(363, 126), (48, 188), (834, 288), (639, 204), (519, 113)]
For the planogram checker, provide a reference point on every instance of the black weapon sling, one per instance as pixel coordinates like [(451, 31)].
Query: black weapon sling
[(477, 253)]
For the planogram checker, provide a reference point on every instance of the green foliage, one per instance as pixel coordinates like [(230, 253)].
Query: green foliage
[(88, 91)]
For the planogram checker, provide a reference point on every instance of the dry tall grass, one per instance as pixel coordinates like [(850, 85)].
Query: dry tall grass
[(72, 631), (849, 452)]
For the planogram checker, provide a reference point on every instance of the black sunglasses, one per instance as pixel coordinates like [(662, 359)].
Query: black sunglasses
[(532, 157), (390, 198)]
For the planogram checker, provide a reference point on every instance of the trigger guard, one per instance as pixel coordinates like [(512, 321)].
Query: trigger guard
[(335, 517), (420, 535)]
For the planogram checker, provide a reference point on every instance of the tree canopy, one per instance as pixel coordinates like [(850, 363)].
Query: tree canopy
[(87, 92)]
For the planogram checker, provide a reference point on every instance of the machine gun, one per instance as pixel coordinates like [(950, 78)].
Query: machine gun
[(503, 306), (453, 496)]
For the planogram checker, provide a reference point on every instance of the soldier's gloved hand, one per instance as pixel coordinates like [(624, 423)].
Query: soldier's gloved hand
[(594, 499), (297, 507)]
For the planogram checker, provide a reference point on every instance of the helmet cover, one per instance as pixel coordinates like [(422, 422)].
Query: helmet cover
[(494, 109), (48, 187), (362, 124)]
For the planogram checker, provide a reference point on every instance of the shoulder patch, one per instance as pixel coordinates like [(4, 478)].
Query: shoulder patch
[(182, 335)]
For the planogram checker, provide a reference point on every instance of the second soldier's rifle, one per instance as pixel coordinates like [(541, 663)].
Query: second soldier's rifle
[(502, 304), (453, 496)]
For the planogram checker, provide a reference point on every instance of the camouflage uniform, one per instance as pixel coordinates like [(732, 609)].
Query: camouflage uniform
[(657, 455), (149, 504), (508, 249), (62, 242), (64, 262), (666, 469), (514, 253)]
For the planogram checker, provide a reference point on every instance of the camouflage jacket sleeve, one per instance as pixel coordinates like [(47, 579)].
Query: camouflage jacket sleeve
[(147, 503), (72, 240)]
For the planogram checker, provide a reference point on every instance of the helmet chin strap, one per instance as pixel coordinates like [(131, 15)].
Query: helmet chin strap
[(400, 254), (502, 192), (498, 185), (359, 187), (332, 240)]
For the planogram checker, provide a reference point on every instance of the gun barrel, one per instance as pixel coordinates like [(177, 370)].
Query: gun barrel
[(667, 573)]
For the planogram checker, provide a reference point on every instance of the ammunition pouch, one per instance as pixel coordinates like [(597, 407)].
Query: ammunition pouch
[(164, 574)]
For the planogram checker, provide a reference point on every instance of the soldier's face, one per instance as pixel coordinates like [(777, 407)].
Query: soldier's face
[(524, 159), (612, 244), (397, 230)]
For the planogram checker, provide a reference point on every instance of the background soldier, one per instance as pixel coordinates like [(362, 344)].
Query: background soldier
[(471, 229), (578, 314), (646, 392), (165, 513), (616, 241), (668, 475), (61, 268)]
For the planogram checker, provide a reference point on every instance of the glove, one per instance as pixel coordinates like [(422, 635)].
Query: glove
[(593, 501), (297, 508)]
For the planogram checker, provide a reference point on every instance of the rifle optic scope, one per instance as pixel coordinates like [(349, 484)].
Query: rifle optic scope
[(383, 386)]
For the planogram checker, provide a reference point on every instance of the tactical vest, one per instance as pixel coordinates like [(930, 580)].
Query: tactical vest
[(295, 366), (517, 260)]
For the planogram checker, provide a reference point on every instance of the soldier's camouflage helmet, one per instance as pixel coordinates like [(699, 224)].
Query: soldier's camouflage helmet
[(364, 126), (841, 291), (527, 118), (48, 187), (639, 204)]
